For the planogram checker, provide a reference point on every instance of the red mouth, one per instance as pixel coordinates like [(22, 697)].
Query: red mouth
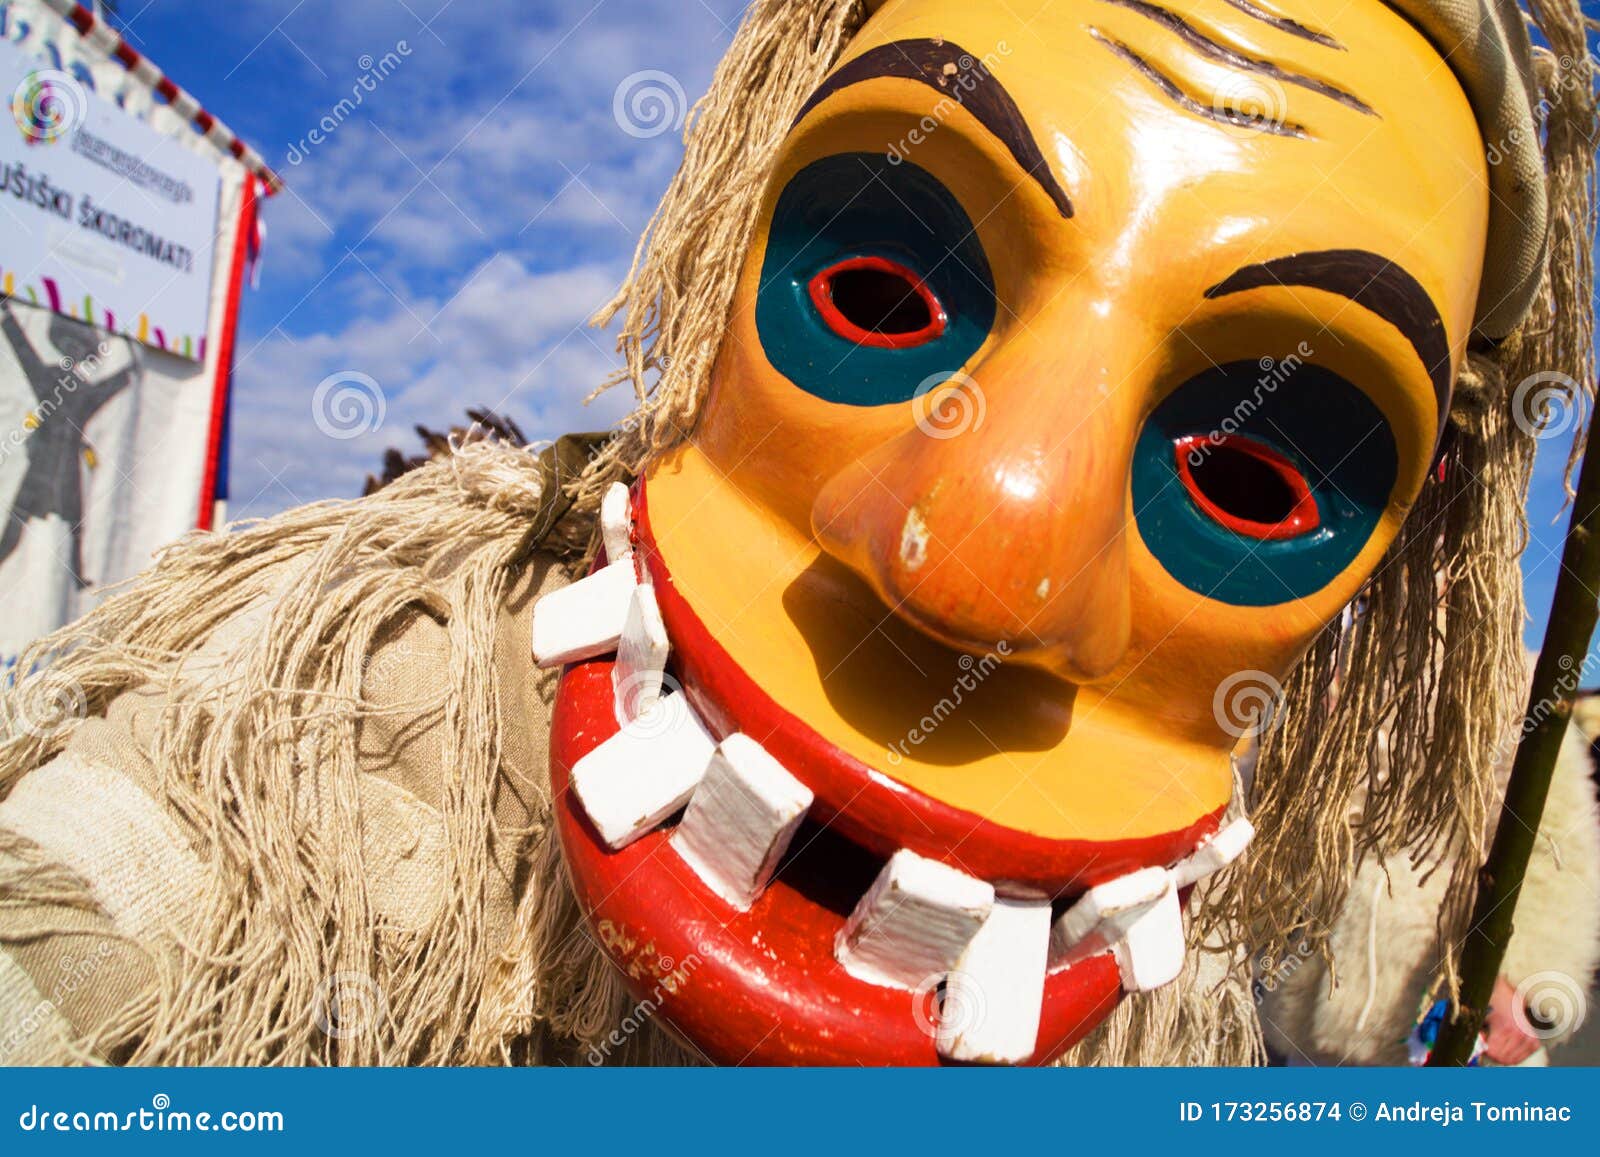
[(763, 986)]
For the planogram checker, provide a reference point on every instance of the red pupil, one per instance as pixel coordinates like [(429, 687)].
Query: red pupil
[(877, 302), (1247, 487)]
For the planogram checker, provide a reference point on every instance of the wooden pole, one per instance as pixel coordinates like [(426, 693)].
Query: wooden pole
[(1556, 678)]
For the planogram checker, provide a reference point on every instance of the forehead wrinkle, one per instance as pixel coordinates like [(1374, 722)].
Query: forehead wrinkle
[(1180, 96), (960, 77), (1210, 43), (1285, 24)]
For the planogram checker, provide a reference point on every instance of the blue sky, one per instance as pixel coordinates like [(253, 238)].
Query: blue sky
[(449, 239)]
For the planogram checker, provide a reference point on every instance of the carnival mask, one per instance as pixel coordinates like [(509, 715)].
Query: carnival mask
[(1086, 359)]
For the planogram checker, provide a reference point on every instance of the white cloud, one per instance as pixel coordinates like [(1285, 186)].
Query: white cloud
[(511, 339), (452, 235)]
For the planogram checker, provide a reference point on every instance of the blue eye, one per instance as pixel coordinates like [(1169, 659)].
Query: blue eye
[(874, 281), (1257, 491)]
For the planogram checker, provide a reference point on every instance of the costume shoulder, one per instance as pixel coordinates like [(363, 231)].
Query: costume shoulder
[(275, 792)]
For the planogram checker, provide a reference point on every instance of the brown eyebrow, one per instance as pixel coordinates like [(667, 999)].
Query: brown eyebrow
[(1206, 46), (950, 70), (1371, 281), (1284, 24)]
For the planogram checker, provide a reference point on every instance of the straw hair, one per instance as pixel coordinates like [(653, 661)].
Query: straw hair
[(674, 304)]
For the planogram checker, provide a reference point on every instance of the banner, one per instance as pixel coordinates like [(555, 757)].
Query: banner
[(109, 221), (110, 431)]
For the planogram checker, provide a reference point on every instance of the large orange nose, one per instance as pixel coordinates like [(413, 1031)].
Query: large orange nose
[(1001, 516)]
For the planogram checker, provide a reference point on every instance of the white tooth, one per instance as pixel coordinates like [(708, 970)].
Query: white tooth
[(585, 619), (641, 656), (913, 922), (1103, 915), (1150, 954), (616, 523), (990, 1013), (1139, 915), (1214, 855), (636, 779), (741, 820)]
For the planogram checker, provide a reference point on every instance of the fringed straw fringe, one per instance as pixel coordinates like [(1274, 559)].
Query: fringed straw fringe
[(30, 878), (286, 923), (1206, 1018), (286, 926)]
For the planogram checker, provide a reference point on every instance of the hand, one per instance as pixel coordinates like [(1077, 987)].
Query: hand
[(1506, 1041)]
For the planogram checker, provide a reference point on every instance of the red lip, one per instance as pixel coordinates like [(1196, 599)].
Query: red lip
[(758, 987), (762, 987)]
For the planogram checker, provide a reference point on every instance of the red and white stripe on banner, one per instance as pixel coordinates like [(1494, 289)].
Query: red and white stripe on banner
[(210, 514), (106, 39)]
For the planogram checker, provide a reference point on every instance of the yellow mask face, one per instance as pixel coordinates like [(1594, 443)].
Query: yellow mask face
[(1087, 357)]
